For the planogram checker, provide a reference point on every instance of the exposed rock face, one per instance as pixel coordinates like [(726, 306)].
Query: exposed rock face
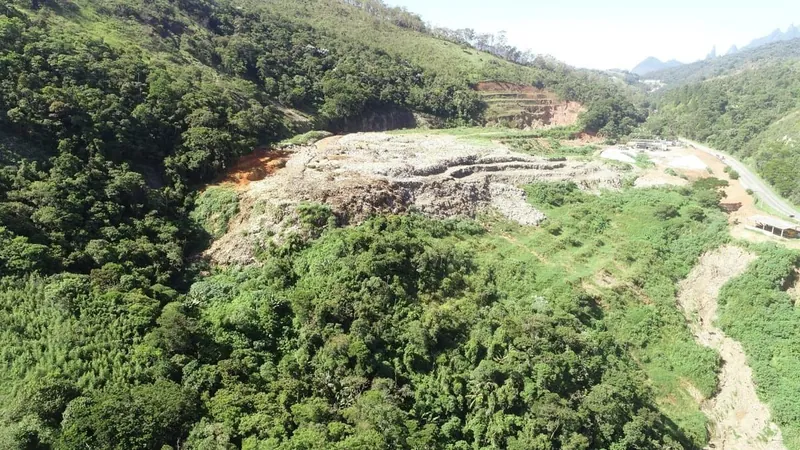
[(363, 174)]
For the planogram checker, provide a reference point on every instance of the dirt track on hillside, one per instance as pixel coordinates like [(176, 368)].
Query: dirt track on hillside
[(739, 421)]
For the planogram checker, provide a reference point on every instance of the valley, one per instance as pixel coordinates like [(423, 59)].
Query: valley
[(332, 224)]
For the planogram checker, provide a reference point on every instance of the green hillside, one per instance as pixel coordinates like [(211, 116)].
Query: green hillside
[(749, 110), (403, 332), (748, 59)]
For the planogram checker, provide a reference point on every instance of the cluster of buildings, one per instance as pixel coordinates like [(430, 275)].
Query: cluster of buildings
[(652, 144)]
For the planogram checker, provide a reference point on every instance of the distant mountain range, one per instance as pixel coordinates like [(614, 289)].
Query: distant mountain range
[(652, 64), (776, 36)]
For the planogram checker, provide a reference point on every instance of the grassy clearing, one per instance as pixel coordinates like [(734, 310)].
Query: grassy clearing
[(510, 136), (643, 161), (550, 147), (215, 207), (305, 138), (627, 250)]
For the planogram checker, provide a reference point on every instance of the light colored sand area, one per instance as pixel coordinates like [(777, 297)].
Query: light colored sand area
[(739, 420)]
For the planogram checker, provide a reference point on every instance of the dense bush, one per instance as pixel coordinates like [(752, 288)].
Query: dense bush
[(398, 333), (757, 312)]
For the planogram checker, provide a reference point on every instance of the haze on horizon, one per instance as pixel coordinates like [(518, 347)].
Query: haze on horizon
[(614, 33)]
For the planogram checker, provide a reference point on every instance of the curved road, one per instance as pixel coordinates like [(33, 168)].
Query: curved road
[(750, 181)]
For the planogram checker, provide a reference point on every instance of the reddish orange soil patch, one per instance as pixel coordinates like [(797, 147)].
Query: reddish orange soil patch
[(256, 166)]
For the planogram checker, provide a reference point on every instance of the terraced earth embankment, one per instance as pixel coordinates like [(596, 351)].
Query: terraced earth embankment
[(526, 106)]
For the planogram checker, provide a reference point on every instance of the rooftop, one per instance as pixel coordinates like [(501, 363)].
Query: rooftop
[(776, 223)]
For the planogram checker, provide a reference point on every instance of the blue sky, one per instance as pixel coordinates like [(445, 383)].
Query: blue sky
[(615, 33)]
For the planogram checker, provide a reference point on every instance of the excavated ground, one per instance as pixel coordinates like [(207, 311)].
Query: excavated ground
[(739, 420), (363, 174), (526, 106)]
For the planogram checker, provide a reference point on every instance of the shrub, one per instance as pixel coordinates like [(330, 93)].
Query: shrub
[(553, 194), (214, 209), (665, 212)]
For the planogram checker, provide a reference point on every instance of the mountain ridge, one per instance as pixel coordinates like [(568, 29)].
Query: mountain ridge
[(653, 64), (792, 32)]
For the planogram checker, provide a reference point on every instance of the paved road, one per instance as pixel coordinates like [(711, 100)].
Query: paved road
[(751, 181)]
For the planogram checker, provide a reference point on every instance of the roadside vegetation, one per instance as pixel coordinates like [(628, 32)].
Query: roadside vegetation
[(748, 111)]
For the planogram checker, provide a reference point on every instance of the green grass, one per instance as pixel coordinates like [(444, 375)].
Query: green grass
[(214, 209), (553, 148), (445, 58), (620, 236), (495, 134), (304, 139), (643, 161)]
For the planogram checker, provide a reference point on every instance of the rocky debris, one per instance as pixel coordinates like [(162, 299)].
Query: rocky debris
[(364, 174), (739, 420)]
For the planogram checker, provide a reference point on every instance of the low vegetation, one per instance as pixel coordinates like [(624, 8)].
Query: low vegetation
[(306, 138), (404, 332), (214, 209), (758, 312)]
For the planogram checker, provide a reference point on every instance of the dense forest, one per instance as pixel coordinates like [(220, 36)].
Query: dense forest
[(403, 332), (114, 113), (748, 107), (709, 68)]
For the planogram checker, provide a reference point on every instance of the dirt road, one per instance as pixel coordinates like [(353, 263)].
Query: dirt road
[(739, 421), (751, 181)]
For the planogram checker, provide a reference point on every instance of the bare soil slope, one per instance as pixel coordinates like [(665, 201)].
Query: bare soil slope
[(363, 174), (739, 420), (526, 106)]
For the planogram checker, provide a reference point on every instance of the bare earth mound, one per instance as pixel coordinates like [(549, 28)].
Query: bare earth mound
[(363, 174), (740, 421)]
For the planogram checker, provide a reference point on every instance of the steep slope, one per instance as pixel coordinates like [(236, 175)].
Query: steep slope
[(521, 106), (403, 332), (739, 420)]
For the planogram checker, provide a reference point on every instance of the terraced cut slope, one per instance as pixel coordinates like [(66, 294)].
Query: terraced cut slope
[(526, 106), (363, 174), (739, 419)]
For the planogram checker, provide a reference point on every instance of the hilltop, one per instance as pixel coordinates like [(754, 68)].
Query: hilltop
[(776, 36), (744, 59), (653, 64)]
